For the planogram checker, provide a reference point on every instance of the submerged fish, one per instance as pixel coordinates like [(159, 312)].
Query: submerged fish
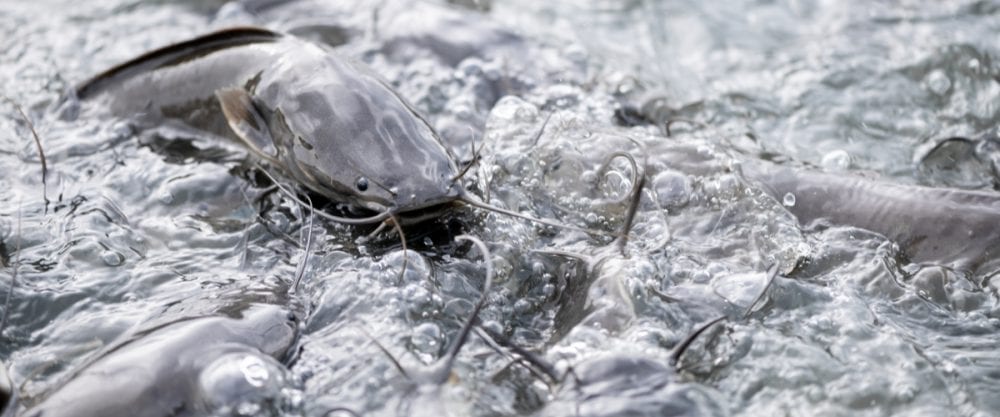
[(958, 228), (190, 367)]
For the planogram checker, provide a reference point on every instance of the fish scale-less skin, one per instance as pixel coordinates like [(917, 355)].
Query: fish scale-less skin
[(331, 121), (157, 373), (946, 226)]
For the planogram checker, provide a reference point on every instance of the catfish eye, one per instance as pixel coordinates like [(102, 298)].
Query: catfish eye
[(362, 184)]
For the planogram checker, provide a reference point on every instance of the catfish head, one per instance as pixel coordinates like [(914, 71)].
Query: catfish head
[(339, 129)]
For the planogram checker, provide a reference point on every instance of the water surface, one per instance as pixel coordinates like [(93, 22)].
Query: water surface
[(123, 228)]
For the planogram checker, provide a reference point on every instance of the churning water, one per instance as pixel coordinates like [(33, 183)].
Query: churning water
[(125, 231)]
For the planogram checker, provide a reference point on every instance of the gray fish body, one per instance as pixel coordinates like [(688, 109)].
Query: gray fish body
[(325, 121), (959, 228), (160, 373)]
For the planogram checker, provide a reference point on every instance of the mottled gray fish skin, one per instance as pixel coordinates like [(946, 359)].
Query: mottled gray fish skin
[(156, 374), (330, 123), (956, 228)]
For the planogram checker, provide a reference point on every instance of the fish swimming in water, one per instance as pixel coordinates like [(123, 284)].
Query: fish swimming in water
[(325, 121), (951, 227), (328, 123), (957, 228), (183, 368)]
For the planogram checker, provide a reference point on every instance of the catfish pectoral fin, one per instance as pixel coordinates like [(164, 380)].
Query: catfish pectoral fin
[(246, 121)]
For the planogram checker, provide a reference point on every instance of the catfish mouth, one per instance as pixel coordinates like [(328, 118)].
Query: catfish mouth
[(431, 211), (362, 211)]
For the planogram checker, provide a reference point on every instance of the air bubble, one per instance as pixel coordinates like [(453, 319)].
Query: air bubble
[(837, 160), (548, 290), (248, 409), (426, 338), (112, 258), (255, 371), (788, 200), (938, 82)]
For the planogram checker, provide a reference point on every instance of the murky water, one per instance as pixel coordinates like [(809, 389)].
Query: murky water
[(125, 231)]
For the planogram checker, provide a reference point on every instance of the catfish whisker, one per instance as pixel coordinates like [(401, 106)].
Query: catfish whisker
[(38, 146), (772, 274), (300, 269), (538, 365), (346, 220), (634, 195), (402, 241), (675, 356), (13, 274), (541, 130), (441, 375), (381, 227), (467, 199), (634, 174), (395, 362), (440, 372), (475, 158)]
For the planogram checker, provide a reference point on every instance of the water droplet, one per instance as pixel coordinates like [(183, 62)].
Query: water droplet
[(426, 337), (837, 160), (537, 268), (788, 200), (112, 258), (548, 290), (938, 82), (254, 370), (247, 408)]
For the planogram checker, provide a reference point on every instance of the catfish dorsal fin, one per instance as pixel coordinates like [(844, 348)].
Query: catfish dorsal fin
[(246, 121), (174, 53)]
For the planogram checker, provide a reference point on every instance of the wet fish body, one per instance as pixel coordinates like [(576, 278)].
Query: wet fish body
[(162, 372), (936, 225), (315, 117)]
